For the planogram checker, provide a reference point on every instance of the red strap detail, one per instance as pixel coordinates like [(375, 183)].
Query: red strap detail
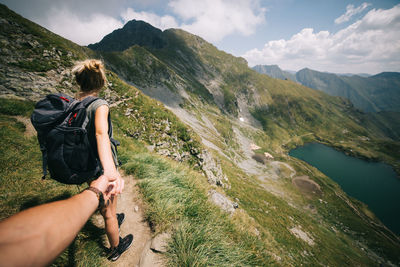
[(75, 114), (63, 98)]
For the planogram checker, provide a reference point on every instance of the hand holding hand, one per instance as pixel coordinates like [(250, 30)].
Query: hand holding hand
[(102, 183), (116, 182)]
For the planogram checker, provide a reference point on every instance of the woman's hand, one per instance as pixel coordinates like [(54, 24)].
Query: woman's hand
[(116, 182)]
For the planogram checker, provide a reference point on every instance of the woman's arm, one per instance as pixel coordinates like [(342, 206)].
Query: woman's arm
[(104, 148), (35, 237)]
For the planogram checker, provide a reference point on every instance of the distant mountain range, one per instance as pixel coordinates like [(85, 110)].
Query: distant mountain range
[(375, 93)]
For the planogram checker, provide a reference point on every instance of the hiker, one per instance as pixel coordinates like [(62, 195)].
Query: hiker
[(90, 76), (36, 236)]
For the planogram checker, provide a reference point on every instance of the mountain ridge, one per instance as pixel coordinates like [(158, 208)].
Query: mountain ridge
[(371, 94), (129, 36)]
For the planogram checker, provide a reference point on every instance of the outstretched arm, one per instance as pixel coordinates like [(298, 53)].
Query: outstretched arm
[(35, 237), (104, 148)]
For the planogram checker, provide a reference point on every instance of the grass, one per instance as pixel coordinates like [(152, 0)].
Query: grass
[(202, 235)]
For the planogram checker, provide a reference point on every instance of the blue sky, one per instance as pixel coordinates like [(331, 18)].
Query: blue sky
[(285, 18), (326, 35)]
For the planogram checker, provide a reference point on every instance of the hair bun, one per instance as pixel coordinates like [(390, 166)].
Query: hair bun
[(90, 74), (93, 65)]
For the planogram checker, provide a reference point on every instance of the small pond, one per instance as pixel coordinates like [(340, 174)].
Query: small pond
[(376, 184)]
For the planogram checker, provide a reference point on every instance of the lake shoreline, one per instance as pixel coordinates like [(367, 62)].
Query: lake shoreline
[(372, 182), (349, 152)]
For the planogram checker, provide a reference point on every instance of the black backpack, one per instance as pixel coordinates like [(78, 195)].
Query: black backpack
[(60, 122)]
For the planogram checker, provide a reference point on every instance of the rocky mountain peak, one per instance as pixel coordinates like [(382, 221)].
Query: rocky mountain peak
[(134, 32)]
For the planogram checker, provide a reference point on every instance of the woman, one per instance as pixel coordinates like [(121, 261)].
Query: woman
[(90, 75)]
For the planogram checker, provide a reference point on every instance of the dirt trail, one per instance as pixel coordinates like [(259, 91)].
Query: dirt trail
[(29, 130), (130, 204)]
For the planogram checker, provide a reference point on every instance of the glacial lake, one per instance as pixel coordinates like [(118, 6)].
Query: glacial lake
[(376, 184)]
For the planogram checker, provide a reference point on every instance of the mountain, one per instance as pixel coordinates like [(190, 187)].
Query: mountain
[(353, 74), (198, 153), (380, 92), (370, 93), (275, 72), (133, 33)]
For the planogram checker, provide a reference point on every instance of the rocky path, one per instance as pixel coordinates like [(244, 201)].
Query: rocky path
[(139, 254)]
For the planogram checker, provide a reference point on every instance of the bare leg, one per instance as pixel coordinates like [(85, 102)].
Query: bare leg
[(111, 222)]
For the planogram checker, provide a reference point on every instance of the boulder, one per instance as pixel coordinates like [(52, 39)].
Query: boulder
[(160, 242), (222, 201)]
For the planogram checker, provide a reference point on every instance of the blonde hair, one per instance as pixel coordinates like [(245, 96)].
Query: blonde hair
[(90, 75)]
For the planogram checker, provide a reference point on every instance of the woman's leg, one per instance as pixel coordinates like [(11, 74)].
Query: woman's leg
[(111, 222)]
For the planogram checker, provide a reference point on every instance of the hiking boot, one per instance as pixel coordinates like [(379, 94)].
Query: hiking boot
[(120, 218), (124, 244)]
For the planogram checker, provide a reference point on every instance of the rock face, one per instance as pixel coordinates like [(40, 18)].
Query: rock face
[(133, 33), (30, 68), (212, 169), (222, 201)]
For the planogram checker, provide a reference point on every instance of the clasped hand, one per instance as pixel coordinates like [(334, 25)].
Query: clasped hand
[(109, 185)]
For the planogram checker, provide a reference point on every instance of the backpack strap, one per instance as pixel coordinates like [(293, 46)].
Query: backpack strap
[(86, 102), (43, 149)]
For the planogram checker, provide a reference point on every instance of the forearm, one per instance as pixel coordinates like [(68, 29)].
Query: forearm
[(105, 153), (35, 237)]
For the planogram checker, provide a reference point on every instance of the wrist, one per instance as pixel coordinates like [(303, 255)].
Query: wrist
[(99, 195)]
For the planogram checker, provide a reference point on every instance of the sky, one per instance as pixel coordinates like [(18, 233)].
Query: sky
[(326, 35)]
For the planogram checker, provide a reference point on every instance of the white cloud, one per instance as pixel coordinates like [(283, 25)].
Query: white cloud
[(161, 22), (215, 19), (82, 30), (371, 44), (211, 19), (350, 12)]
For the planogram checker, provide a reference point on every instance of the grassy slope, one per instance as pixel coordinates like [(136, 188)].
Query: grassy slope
[(45, 38), (286, 109)]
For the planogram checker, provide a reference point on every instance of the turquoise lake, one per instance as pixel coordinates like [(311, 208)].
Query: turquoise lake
[(376, 184)]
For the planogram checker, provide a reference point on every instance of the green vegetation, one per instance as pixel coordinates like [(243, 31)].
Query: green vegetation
[(16, 107), (202, 235), (149, 121), (230, 101)]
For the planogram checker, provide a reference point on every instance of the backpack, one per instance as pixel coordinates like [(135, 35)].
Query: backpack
[(60, 122)]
